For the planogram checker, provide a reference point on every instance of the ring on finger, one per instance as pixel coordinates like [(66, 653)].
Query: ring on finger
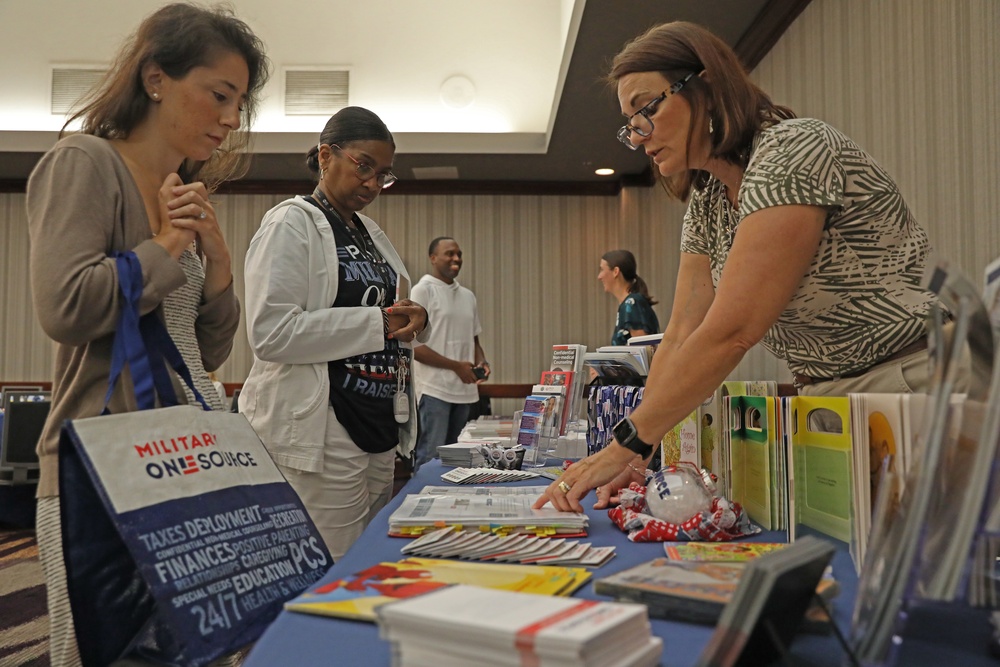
[(564, 487), (203, 214)]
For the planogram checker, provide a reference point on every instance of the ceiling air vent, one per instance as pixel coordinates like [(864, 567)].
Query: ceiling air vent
[(69, 84), (315, 92)]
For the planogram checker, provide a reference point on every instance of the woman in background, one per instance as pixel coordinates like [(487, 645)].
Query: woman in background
[(159, 133), (635, 305), (328, 392)]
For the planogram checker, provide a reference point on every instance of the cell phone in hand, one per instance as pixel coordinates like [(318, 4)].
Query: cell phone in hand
[(479, 372)]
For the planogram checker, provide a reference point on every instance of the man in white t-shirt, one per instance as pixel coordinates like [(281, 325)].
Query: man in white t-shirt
[(448, 368)]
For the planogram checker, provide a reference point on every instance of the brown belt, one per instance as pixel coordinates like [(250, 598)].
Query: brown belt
[(914, 347)]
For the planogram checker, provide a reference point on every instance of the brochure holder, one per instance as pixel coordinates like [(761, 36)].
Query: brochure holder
[(920, 549)]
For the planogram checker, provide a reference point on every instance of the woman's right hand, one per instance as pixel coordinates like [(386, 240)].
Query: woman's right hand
[(174, 239), (406, 320)]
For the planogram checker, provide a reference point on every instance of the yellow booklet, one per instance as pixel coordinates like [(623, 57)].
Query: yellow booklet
[(360, 594)]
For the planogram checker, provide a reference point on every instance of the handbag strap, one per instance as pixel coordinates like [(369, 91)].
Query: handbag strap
[(144, 344)]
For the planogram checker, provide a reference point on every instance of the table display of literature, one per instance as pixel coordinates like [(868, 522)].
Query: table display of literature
[(919, 547), (464, 625)]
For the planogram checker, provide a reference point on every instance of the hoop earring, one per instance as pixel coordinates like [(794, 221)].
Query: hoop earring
[(711, 128)]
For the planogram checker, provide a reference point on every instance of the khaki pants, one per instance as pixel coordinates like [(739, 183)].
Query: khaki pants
[(909, 375), (352, 488)]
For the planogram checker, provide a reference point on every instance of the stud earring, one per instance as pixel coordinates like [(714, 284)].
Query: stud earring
[(156, 96)]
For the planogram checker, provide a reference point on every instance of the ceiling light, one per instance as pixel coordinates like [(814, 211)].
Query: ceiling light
[(458, 92), (604, 171)]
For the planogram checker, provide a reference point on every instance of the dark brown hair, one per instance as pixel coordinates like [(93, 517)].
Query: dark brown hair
[(178, 38), (624, 261), (737, 107), (348, 125)]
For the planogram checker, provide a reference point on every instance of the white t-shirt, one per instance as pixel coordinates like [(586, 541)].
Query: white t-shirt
[(452, 310)]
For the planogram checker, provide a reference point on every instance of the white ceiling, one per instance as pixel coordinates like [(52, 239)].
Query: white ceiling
[(398, 52)]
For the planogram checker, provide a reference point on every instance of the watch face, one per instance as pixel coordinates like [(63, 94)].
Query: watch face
[(624, 432)]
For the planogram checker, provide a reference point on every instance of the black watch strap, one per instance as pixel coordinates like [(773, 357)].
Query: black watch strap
[(627, 436)]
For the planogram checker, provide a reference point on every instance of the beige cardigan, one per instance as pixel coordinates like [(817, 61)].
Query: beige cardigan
[(83, 205)]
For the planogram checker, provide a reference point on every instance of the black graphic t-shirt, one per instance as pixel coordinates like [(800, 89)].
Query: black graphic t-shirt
[(362, 387)]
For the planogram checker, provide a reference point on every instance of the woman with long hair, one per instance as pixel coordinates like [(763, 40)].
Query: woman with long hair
[(166, 124)]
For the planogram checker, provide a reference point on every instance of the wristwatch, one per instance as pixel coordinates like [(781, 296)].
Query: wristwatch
[(626, 435)]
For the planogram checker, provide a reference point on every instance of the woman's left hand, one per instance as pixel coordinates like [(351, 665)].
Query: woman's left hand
[(406, 320), (191, 209)]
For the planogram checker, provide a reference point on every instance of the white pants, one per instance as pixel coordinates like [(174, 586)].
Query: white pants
[(352, 488)]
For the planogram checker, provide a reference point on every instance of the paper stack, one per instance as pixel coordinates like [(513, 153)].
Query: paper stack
[(465, 625), (464, 454), (486, 513), (489, 427)]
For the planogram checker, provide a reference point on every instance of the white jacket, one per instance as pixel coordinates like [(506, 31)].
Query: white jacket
[(291, 275)]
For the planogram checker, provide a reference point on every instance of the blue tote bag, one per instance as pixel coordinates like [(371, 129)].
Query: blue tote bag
[(182, 540)]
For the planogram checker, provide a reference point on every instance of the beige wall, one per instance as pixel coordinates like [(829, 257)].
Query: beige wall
[(913, 81)]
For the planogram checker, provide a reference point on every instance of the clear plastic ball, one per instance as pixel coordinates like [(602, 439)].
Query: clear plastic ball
[(677, 493)]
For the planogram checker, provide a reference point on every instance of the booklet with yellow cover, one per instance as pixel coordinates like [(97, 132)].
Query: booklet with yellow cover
[(360, 594)]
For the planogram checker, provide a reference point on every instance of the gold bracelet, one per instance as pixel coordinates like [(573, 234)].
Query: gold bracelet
[(634, 469)]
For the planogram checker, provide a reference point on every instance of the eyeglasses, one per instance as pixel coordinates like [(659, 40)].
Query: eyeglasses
[(641, 122), (365, 171)]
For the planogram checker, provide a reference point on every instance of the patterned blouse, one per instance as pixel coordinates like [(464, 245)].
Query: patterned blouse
[(861, 299), (180, 310)]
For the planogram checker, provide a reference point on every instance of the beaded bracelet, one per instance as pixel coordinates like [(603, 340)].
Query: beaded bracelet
[(385, 322)]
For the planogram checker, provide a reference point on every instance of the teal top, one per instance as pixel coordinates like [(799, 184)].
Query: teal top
[(634, 313)]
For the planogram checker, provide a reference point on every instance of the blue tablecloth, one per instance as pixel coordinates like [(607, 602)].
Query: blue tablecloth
[(951, 635)]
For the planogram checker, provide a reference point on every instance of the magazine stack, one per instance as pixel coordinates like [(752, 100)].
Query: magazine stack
[(466, 625), (421, 513)]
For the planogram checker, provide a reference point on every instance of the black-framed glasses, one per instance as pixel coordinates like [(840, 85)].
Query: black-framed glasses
[(641, 121), (365, 171)]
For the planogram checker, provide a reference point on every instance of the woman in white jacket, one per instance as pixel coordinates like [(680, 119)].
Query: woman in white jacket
[(329, 389)]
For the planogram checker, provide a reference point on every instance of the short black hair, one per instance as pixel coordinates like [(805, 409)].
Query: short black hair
[(434, 244)]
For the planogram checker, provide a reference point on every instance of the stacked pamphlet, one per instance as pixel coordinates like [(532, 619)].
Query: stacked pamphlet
[(569, 359), (465, 625), (619, 364), (540, 422), (485, 475), (420, 513), (467, 454), (525, 549), (358, 595), (651, 340), (488, 427)]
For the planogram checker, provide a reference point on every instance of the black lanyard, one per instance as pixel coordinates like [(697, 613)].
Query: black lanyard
[(360, 235)]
